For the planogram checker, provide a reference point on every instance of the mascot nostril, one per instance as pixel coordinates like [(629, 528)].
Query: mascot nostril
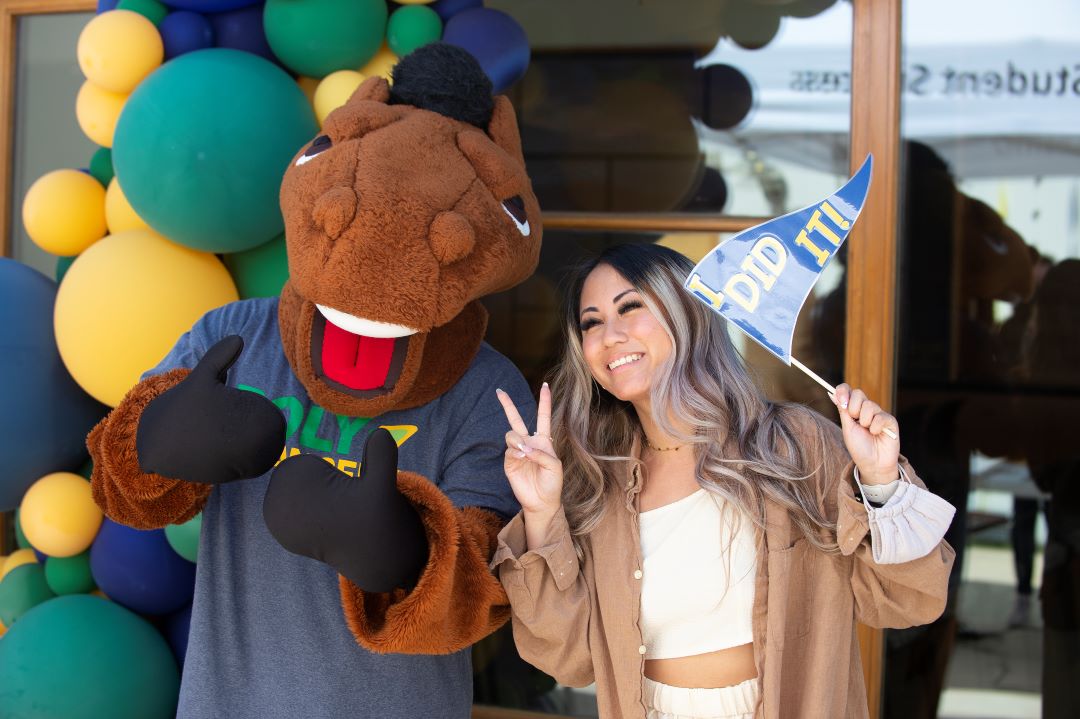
[(452, 237), (334, 210)]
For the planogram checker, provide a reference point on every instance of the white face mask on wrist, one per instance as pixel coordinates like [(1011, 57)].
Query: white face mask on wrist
[(909, 525)]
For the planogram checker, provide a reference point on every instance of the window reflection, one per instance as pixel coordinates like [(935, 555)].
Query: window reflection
[(988, 377)]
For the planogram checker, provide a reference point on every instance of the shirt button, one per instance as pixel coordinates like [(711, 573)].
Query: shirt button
[(641, 649), (637, 574)]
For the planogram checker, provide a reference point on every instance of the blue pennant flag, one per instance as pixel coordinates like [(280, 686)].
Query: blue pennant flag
[(760, 278)]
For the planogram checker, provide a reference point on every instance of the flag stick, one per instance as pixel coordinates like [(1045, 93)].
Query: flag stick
[(828, 387)]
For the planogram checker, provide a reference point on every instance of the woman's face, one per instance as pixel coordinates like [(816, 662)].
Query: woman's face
[(623, 342)]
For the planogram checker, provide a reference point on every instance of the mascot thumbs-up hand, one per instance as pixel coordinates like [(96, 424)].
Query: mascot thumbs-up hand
[(363, 527), (204, 431)]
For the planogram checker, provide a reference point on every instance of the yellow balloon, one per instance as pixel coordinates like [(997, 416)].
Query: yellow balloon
[(118, 48), (16, 559), (58, 515), (64, 212), (119, 215), (97, 110), (380, 64), (334, 90), (125, 301)]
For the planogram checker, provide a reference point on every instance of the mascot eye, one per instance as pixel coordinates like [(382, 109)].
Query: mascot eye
[(318, 145), (515, 208)]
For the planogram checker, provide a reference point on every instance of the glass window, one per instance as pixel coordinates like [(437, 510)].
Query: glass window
[(46, 135), (685, 107), (988, 375)]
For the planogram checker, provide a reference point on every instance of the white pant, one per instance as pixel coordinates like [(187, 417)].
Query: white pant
[(667, 702)]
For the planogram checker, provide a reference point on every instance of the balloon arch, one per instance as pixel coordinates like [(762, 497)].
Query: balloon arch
[(197, 106)]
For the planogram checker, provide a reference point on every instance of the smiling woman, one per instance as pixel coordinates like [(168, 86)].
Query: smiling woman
[(672, 513)]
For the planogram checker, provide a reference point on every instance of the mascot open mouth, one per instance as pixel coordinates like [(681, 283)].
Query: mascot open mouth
[(357, 356)]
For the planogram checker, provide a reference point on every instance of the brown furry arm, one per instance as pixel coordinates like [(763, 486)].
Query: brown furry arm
[(124, 492), (457, 600)]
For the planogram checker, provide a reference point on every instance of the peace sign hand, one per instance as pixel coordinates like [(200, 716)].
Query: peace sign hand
[(534, 472)]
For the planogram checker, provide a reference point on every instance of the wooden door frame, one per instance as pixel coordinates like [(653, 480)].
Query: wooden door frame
[(870, 330)]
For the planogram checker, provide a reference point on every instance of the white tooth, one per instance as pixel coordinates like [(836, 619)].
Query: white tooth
[(624, 360), (361, 326)]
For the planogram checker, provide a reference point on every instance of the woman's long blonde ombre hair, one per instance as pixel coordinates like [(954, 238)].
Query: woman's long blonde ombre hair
[(746, 448)]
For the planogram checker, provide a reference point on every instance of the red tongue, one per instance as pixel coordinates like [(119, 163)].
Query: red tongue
[(356, 361)]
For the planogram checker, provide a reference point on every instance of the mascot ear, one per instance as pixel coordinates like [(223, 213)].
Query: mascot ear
[(374, 89), (503, 128)]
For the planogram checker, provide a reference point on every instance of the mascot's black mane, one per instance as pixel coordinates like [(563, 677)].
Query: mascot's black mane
[(444, 79)]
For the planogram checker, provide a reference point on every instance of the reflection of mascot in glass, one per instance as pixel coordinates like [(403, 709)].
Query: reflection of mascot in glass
[(412, 205)]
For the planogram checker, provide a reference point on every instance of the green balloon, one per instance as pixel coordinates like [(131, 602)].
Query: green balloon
[(62, 266), (202, 143), (410, 27), (86, 469), (69, 575), (184, 538), (152, 10), (260, 272), (317, 37), (101, 166), (82, 657), (20, 537), (23, 588)]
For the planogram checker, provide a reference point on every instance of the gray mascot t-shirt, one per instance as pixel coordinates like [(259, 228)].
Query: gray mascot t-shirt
[(268, 636)]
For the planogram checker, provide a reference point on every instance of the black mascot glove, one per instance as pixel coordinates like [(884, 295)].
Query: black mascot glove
[(363, 527), (204, 431)]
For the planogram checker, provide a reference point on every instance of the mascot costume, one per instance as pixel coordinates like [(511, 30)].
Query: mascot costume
[(332, 584)]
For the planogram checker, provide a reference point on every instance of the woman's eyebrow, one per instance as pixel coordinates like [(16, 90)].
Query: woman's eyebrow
[(614, 299)]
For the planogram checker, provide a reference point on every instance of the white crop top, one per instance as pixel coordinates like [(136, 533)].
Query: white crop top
[(697, 593)]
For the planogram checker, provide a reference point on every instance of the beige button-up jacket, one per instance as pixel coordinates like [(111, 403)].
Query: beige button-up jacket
[(579, 621)]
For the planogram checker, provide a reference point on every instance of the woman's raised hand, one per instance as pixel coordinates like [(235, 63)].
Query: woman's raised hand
[(535, 473), (864, 423)]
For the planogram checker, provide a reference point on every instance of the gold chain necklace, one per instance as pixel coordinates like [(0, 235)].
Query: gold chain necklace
[(653, 447)]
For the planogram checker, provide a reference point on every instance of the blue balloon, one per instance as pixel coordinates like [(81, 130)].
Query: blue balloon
[(243, 30), (447, 9), (106, 5), (176, 628), (139, 569), (495, 39), (46, 415), (183, 31), (211, 5)]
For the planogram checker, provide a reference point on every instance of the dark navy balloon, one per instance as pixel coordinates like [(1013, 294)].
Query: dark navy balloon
[(140, 570), (44, 416), (176, 628), (211, 5), (184, 31), (242, 30), (106, 5), (449, 8), (495, 39)]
